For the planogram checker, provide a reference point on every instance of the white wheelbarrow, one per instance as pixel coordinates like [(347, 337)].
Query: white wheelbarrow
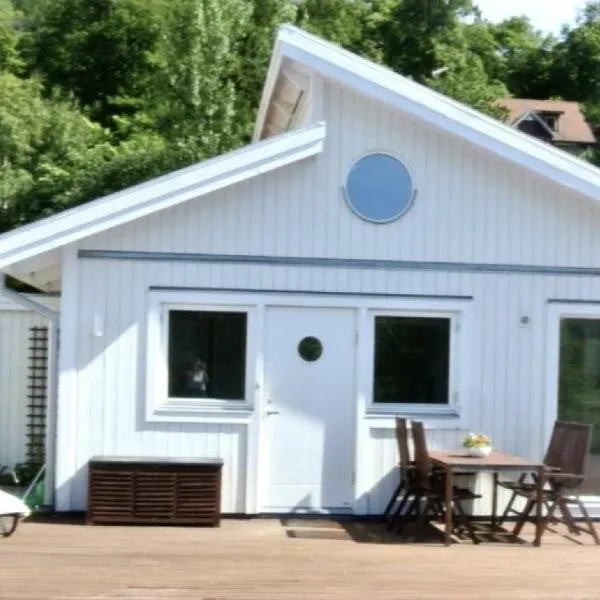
[(12, 510)]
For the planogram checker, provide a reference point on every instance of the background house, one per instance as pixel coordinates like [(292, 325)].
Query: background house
[(559, 123)]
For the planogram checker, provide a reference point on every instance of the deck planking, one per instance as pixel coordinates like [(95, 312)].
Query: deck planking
[(269, 559)]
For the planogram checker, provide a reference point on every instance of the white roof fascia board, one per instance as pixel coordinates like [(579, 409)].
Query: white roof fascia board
[(6, 304), (161, 193), (399, 92), (51, 302)]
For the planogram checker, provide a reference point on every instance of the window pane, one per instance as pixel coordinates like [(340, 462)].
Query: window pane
[(379, 188), (207, 354), (412, 360), (579, 385)]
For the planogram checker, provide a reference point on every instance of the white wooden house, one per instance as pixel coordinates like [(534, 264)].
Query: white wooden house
[(379, 249)]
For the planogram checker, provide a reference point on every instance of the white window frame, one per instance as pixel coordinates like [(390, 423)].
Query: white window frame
[(456, 360), (160, 407), (555, 313)]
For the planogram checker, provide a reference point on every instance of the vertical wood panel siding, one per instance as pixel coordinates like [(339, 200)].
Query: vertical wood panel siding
[(506, 378), (111, 371), (471, 207), (14, 363)]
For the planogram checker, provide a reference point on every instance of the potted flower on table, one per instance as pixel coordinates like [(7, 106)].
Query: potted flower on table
[(477, 444)]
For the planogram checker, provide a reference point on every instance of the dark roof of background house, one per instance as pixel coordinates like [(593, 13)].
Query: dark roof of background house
[(572, 126)]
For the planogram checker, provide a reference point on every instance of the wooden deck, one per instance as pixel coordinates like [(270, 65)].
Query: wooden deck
[(269, 559)]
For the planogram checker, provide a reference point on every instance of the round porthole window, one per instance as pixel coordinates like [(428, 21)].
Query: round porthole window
[(379, 188), (310, 348)]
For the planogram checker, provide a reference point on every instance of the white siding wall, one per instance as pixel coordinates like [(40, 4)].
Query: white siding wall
[(109, 405), (14, 344), (506, 396), (471, 207)]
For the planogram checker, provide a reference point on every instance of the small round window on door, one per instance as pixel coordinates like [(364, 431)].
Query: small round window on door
[(310, 348)]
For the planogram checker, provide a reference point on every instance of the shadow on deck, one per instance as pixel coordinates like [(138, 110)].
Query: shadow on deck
[(370, 532)]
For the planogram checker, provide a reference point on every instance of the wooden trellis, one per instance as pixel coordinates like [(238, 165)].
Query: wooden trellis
[(38, 394)]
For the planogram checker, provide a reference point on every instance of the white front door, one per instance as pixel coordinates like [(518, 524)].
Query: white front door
[(309, 422)]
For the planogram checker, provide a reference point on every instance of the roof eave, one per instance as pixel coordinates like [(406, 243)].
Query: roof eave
[(571, 141)]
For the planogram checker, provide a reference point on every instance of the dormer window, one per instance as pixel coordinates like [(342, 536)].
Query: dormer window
[(551, 119)]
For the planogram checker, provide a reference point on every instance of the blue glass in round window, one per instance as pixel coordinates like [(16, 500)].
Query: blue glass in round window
[(379, 188)]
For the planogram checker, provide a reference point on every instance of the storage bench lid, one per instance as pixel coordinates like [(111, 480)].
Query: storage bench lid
[(155, 460)]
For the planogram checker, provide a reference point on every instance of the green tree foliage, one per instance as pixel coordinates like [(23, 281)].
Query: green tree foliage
[(441, 50), (46, 144), (345, 23), (10, 59), (519, 56), (255, 47), (576, 66), (97, 95), (416, 51), (465, 79), (191, 100), (98, 50)]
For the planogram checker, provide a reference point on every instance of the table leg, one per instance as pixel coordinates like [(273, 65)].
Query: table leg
[(539, 521), (448, 502), (495, 499)]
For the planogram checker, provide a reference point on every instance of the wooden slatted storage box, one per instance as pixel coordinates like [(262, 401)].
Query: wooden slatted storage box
[(160, 491)]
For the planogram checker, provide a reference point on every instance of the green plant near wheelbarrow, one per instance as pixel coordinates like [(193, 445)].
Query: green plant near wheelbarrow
[(22, 474)]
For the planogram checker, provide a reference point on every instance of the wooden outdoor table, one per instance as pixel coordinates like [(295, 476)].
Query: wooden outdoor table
[(455, 461)]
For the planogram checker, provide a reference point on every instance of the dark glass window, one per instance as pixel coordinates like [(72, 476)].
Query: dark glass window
[(579, 381), (207, 354), (412, 360)]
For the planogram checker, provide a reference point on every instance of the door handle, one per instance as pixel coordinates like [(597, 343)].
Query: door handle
[(270, 410)]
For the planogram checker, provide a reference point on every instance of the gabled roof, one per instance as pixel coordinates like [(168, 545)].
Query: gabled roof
[(177, 187), (312, 54), (572, 126), (532, 115), (411, 98)]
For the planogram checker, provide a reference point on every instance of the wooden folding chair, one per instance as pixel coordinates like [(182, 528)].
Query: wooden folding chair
[(429, 484), (559, 436), (564, 479), (403, 490)]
